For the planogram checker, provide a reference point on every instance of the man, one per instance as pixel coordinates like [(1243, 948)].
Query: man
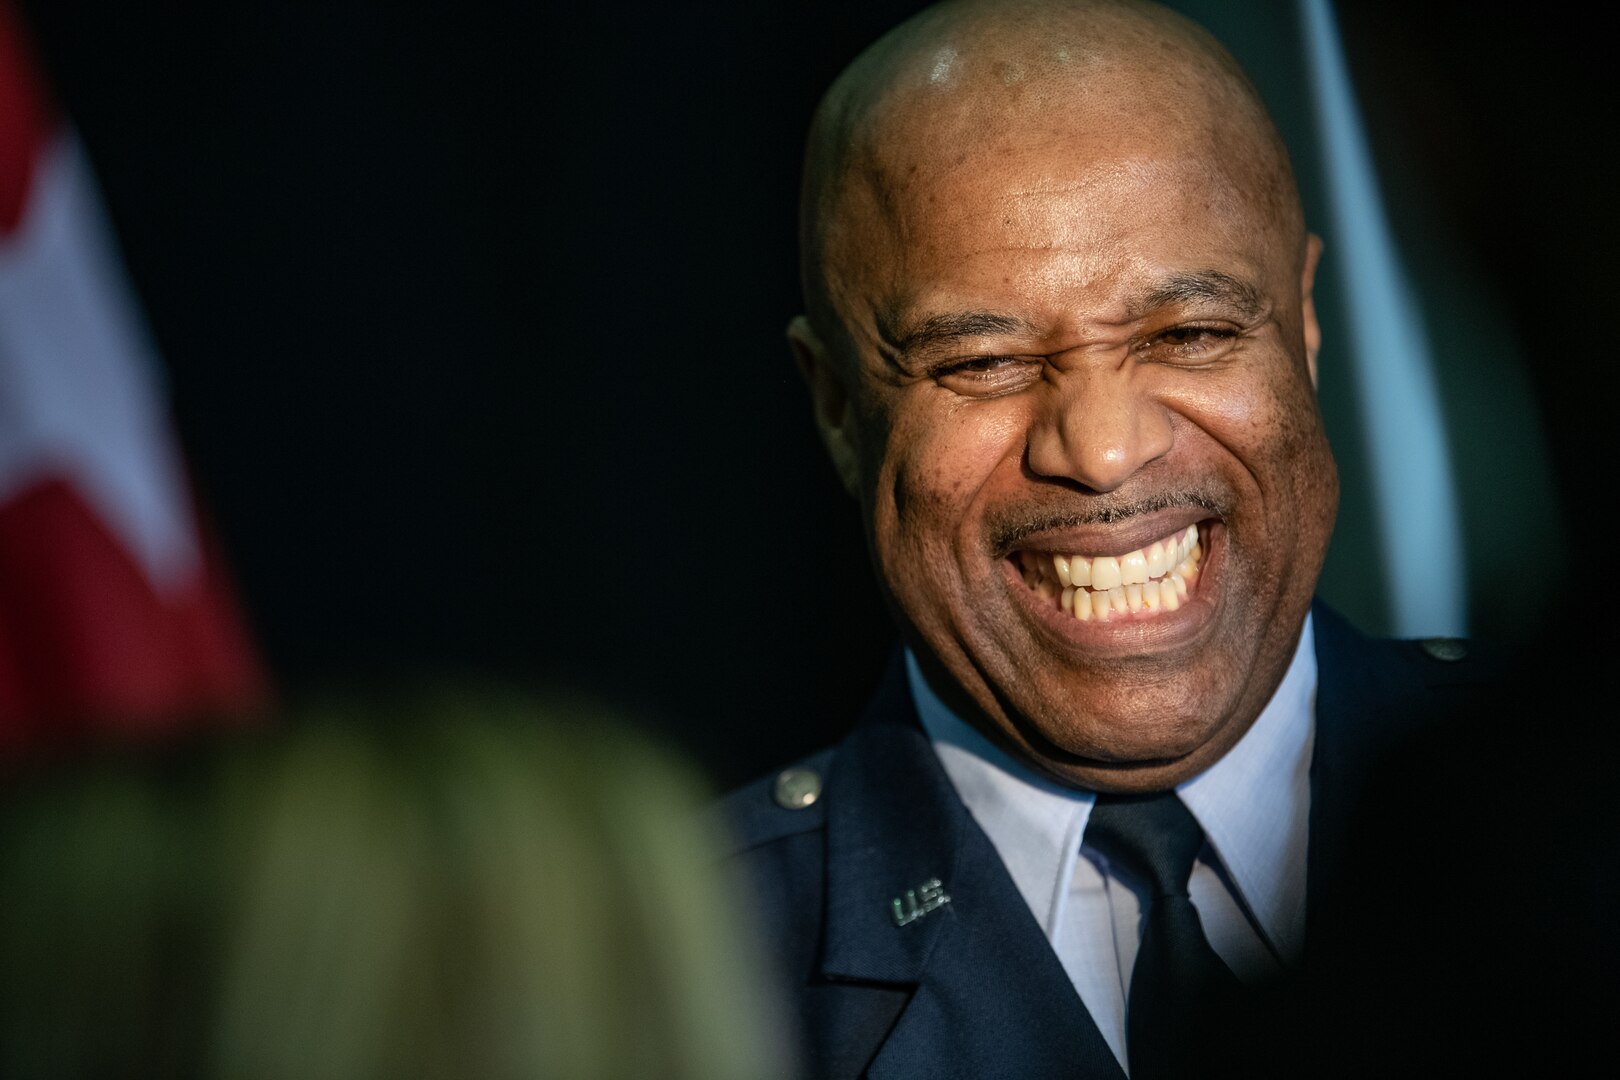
[(1060, 342)]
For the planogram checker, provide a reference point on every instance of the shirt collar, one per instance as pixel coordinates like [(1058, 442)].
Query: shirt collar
[(1253, 804)]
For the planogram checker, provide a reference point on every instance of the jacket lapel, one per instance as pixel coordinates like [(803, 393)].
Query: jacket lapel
[(990, 998), (1369, 695)]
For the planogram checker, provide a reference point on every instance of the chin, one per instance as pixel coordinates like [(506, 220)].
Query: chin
[(1110, 748), (1134, 779)]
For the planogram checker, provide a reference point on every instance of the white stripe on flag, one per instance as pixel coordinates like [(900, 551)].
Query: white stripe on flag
[(80, 391)]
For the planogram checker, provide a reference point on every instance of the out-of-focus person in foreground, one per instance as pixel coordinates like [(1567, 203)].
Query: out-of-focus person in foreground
[(457, 886)]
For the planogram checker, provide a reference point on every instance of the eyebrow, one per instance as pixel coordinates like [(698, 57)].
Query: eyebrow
[(953, 326), (1201, 285), (1209, 286)]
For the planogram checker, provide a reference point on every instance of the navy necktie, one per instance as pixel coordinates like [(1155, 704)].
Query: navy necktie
[(1178, 981)]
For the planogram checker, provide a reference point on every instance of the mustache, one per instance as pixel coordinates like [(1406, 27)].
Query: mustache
[(1011, 527)]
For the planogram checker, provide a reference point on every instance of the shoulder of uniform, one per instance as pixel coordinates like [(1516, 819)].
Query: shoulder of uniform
[(781, 803), (1455, 660), (1432, 661)]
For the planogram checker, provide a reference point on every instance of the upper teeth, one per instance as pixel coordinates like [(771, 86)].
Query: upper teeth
[(1150, 577)]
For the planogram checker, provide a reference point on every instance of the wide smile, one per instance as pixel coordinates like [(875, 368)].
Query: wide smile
[(1145, 583)]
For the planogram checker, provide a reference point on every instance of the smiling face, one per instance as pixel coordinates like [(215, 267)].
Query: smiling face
[(1071, 383)]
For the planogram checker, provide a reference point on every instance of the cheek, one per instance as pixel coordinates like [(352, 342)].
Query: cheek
[(1272, 429), (1268, 424), (1292, 454), (1235, 409), (939, 458)]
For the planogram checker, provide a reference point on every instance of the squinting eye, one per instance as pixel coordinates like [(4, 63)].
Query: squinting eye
[(987, 376), (982, 364), (1193, 344)]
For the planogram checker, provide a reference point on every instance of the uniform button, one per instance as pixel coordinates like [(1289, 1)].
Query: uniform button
[(797, 788), (1445, 648)]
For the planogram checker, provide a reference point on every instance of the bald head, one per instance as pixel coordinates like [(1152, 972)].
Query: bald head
[(965, 83)]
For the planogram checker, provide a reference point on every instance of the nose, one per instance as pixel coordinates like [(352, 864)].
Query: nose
[(1097, 428)]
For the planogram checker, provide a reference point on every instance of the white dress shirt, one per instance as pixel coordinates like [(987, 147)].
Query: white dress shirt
[(1248, 884)]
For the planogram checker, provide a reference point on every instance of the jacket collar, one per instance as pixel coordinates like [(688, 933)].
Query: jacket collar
[(895, 822), (991, 997)]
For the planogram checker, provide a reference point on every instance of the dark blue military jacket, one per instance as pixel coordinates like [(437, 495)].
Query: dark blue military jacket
[(892, 975)]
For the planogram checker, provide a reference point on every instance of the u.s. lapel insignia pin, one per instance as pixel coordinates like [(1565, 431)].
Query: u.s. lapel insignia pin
[(918, 902)]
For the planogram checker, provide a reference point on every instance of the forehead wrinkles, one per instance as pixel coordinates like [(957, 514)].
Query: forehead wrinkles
[(909, 208)]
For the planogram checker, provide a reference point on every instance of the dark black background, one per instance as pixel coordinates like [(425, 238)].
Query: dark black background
[(472, 320)]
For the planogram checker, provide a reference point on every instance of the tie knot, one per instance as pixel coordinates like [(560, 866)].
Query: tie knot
[(1154, 837)]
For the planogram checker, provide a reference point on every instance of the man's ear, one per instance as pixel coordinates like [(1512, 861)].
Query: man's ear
[(830, 399), (1313, 330)]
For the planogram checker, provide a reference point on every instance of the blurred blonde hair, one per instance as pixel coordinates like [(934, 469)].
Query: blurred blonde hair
[(462, 885)]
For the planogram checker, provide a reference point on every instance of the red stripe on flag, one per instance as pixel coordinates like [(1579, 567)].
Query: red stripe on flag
[(88, 645), (26, 117)]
